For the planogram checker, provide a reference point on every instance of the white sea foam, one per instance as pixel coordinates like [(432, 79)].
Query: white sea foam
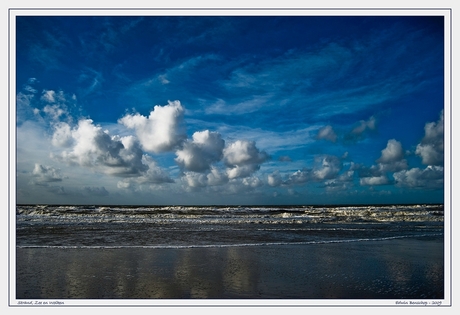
[(169, 226)]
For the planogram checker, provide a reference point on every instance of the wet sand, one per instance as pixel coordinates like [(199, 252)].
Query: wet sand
[(410, 268)]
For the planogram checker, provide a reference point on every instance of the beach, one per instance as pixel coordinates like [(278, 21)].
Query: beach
[(400, 268)]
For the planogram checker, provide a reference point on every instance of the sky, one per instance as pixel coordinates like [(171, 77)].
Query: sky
[(237, 110)]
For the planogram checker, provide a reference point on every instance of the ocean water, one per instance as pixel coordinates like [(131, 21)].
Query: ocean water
[(67, 226)]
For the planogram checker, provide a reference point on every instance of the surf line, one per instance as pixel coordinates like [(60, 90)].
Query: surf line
[(224, 245)]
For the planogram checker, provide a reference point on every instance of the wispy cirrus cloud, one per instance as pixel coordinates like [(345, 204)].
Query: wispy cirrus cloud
[(49, 52)]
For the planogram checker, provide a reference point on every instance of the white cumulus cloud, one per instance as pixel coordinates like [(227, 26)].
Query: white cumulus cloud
[(194, 180), (360, 129), (392, 153), (94, 148), (198, 155), (342, 182), (390, 160), (45, 174), (252, 182), (243, 158), (327, 133), (431, 148), (151, 175), (57, 105), (430, 177), (374, 181), (300, 176), (330, 167), (62, 136), (215, 177), (274, 179), (162, 130), (364, 125)]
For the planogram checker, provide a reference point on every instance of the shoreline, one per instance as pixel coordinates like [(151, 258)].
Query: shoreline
[(227, 245), (400, 268)]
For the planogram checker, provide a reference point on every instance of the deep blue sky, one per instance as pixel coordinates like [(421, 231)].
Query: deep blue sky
[(230, 109)]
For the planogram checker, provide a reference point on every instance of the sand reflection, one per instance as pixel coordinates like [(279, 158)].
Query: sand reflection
[(390, 269)]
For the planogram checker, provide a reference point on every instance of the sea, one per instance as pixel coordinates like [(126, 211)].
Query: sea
[(94, 226)]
